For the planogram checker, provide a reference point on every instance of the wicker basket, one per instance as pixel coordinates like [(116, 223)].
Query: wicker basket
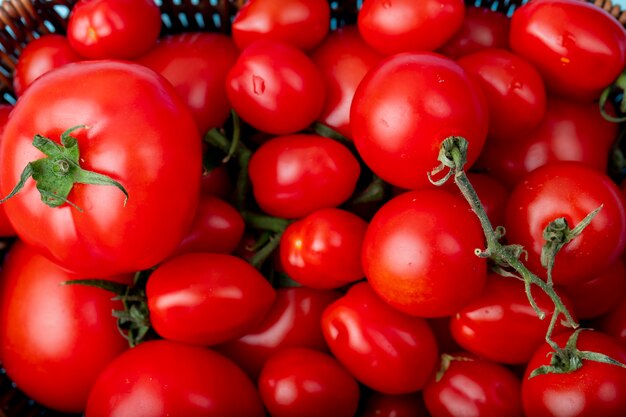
[(24, 20)]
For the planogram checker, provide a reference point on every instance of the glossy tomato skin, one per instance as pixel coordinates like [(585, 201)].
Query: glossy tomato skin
[(323, 250), (515, 93), (294, 175), (482, 28), (405, 25), (196, 64), (578, 48), (307, 383), (301, 23), (402, 405), (161, 377), (500, 324), (614, 323), (383, 348), (145, 139), (292, 321), (206, 298), (40, 56), (418, 253), (596, 389), (343, 59), (406, 106), (474, 388), (6, 228), (569, 190), (54, 339), (119, 29), (275, 87)]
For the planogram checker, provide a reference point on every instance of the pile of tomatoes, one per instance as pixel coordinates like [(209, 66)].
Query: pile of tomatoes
[(264, 222)]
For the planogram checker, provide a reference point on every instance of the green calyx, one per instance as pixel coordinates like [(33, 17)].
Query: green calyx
[(56, 174)]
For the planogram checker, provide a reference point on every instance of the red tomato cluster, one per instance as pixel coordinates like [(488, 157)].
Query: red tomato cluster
[(260, 211)]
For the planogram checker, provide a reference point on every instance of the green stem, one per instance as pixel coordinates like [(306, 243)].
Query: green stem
[(266, 251), (263, 222)]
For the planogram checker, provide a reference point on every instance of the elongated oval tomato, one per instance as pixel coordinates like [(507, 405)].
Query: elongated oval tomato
[(145, 139)]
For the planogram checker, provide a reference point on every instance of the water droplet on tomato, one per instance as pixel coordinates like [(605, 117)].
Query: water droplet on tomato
[(258, 85)]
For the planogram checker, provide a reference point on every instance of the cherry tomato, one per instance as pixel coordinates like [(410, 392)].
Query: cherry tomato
[(402, 405), (568, 190), (481, 28), (197, 64), (596, 389), (323, 250), (383, 348), (418, 253), (292, 321), (301, 23), (500, 325), (406, 25), (161, 377), (294, 175), (276, 88), (514, 90), (122, 29), (206, 298), (406, 107), (145, 139), (307, 383), (578, 48), (343, 59), (54, 339), (40, 56), (472, 387)]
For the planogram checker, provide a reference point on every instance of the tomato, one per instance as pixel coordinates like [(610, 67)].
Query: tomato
[(197, 64), (473, 387), (301, 23), (54, 339), (206, 298), (122, 29), (578, 48), (276, 88), (343, 59), (306, 383), (217, 182), (614, 322), (568, 190), (292, 321), (382, 347), (600, 294), (406, 25), (162, 377), (217, 228), (402, 405), (40, 56), (145, 139), (323, 250), (514, 90), (6, 228), (500, 324), (569, 131), (596, 389), (481, 28), (294, 175), (406, 107), (418, 253)]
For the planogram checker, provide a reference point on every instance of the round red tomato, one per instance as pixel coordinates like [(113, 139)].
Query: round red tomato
[(6, 228), (54, 339), (276, 88), (323, 250), (568, 190), (206, 298), (596, 389), (408, 25), (123, 29), (406, 107), (578, 48), (402, 405), (383, 348), (292, 176), (145, 139), (418, 253), (301, 23), (307, 383), (164, 378)]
